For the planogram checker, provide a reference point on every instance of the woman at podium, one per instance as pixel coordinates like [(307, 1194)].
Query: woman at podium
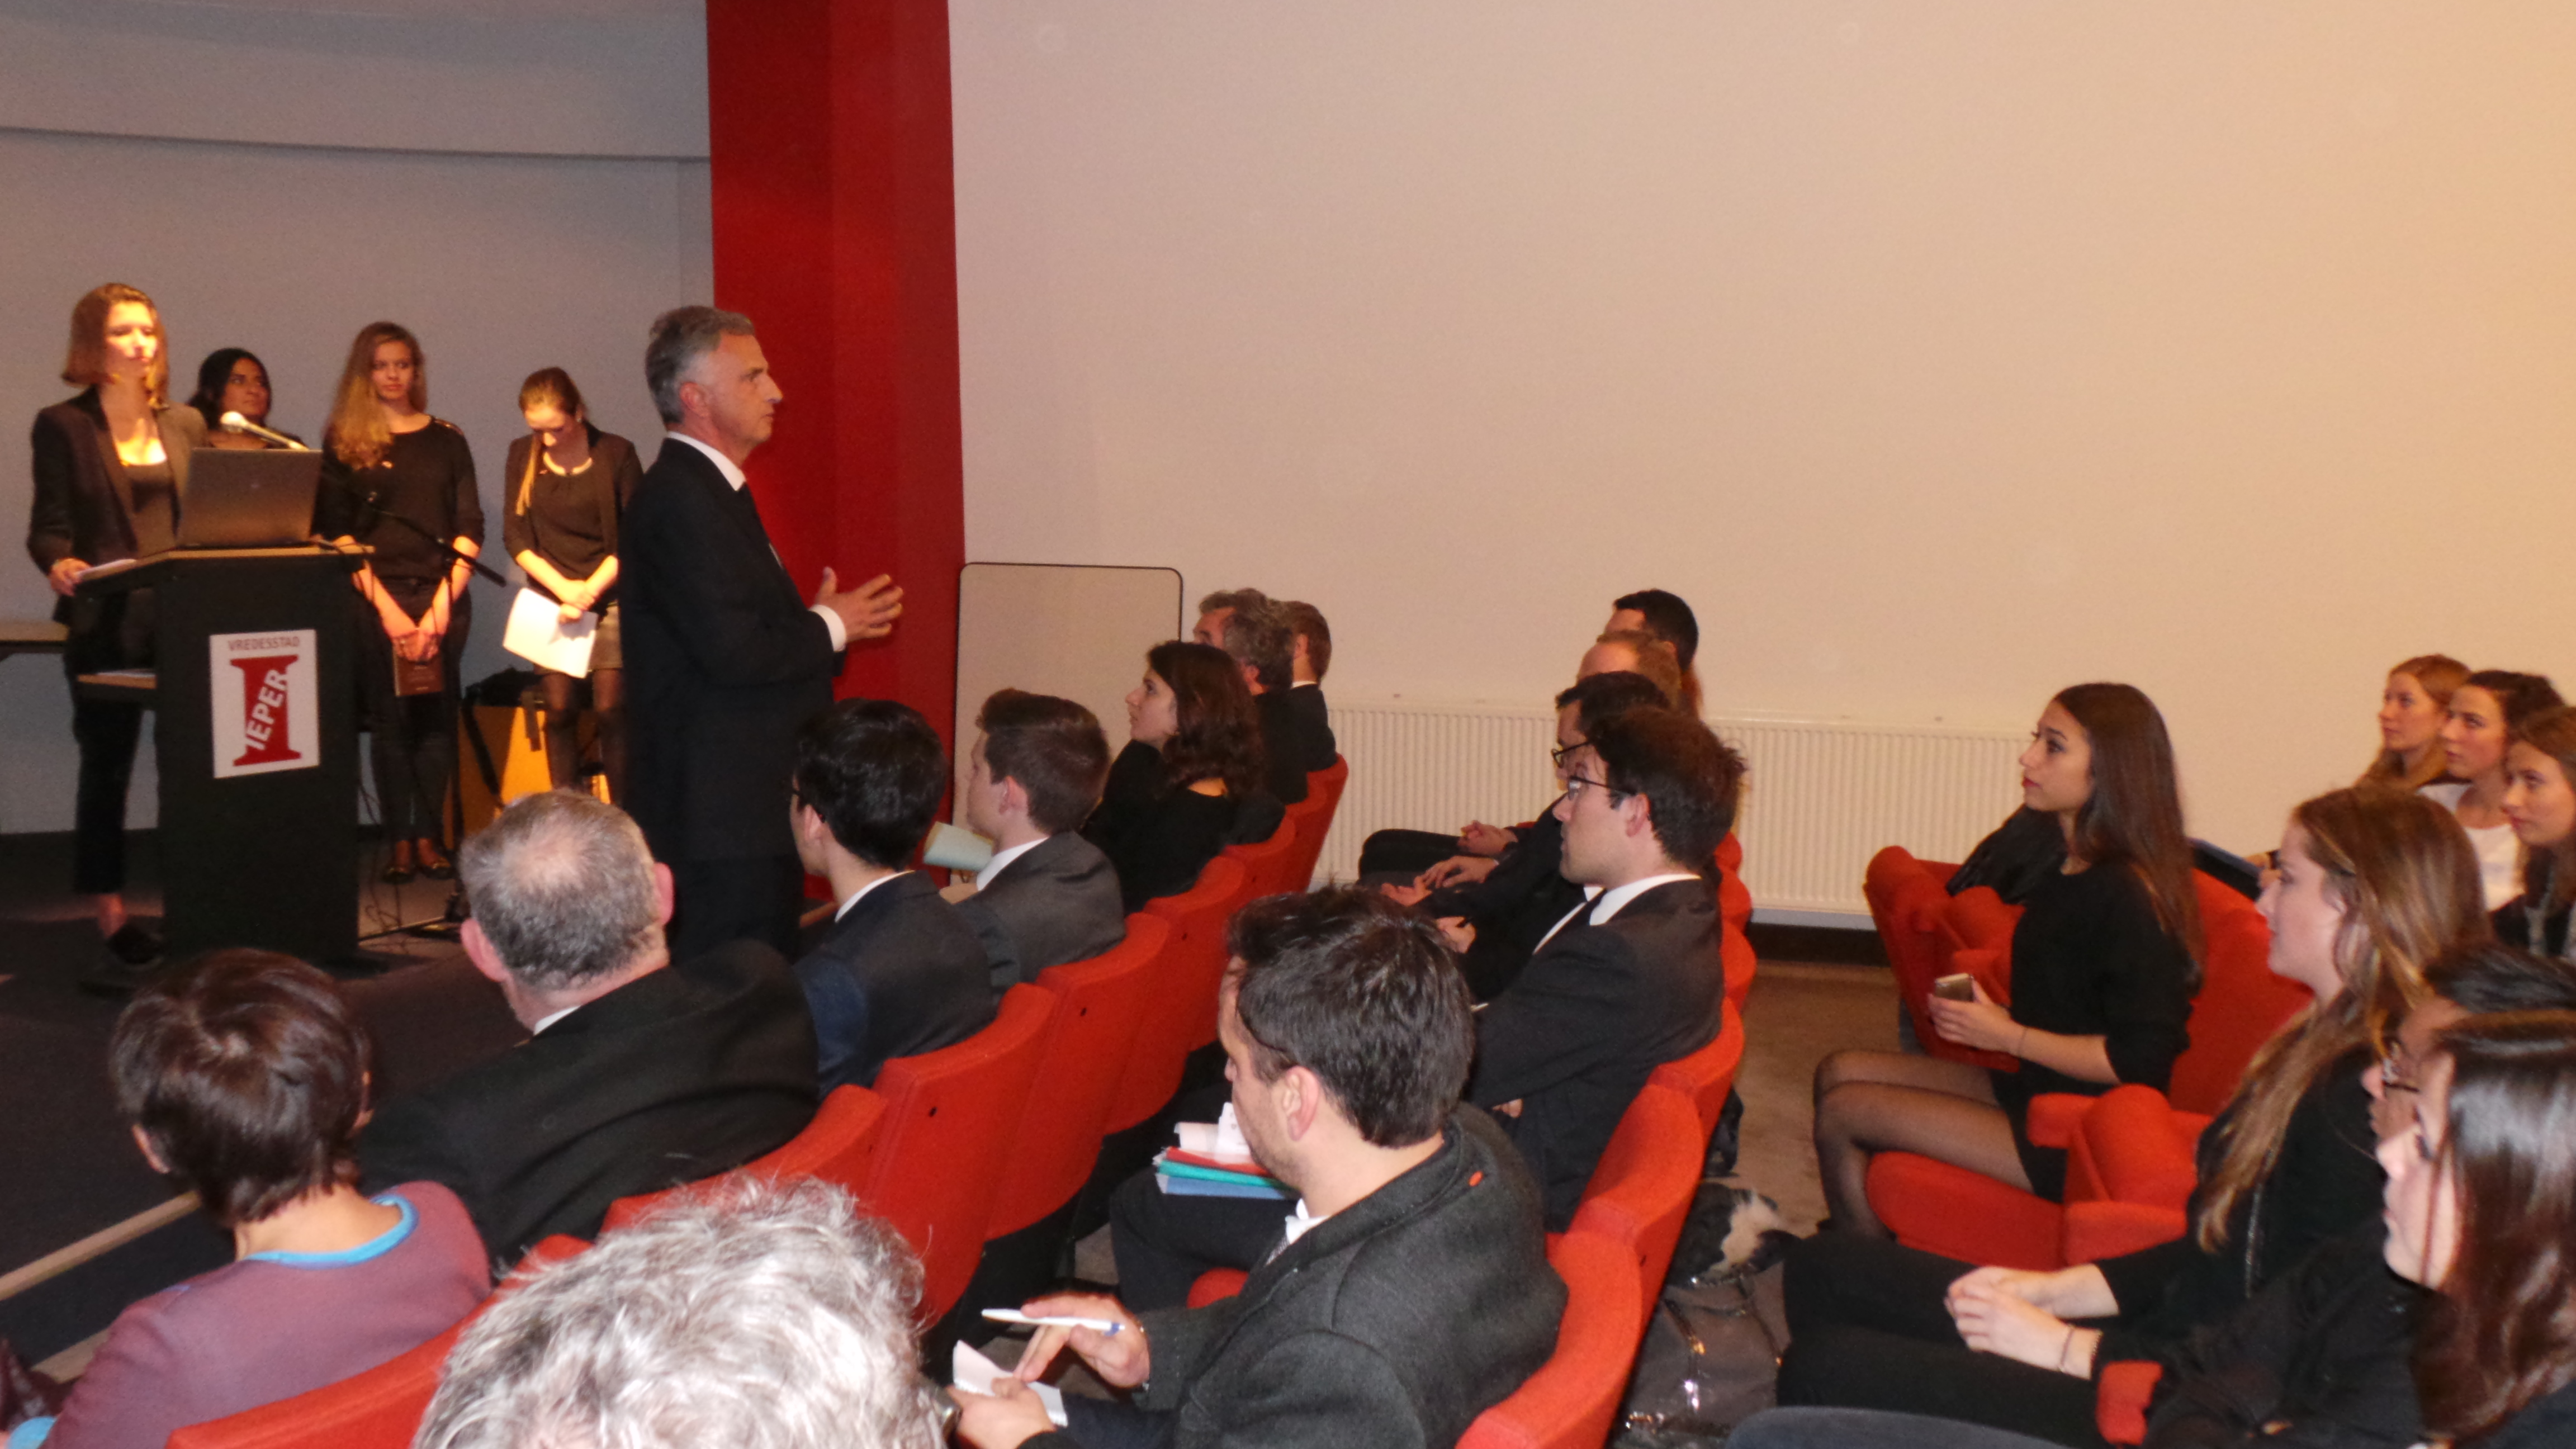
[(232, 380), (110, 468), (567, 483), (402, 482)]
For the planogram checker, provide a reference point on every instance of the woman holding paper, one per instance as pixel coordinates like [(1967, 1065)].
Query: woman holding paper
[(402, 482), (568, 483), (110, 466)]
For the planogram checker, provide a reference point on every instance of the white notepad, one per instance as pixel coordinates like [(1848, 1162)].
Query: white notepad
[(538, 633)]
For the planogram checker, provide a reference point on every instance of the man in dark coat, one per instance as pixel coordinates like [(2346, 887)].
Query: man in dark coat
[(724, 660), (1048, 896), (1410, 1290), (898, 972), (641, 1074)]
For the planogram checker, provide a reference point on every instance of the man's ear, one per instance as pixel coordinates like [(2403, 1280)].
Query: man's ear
[(1301, 1098), (665, 895), (1013, 796), (1640, 820), (1251, 676), (1298, 652), (478, 947)]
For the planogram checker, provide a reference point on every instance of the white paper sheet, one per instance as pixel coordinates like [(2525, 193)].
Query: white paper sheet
[(971, 1371), (537, 633)]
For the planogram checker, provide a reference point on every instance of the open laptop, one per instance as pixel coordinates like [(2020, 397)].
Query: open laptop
[(240, 498)]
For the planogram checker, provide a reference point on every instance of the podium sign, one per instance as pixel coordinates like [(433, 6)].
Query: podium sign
[(263, 708)]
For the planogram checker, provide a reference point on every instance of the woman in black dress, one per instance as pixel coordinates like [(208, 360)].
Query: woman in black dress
[(568, 482), (2374, 886), (1189, 783), (402, 482), (2105, 962), (110, 468)]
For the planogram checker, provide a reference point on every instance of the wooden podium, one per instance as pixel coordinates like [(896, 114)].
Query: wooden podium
[(255, 728)]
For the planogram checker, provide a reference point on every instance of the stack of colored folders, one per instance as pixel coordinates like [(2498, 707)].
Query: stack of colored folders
[(1191, 1174)]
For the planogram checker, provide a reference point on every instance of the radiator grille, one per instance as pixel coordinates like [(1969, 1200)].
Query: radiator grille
[(1821, 797)]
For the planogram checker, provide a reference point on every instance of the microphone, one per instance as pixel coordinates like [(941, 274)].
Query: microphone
[(236, 423)]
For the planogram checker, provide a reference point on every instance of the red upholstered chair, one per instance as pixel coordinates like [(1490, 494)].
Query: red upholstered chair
[(2120, 1400), (1098, 1004), (950, 1117), (2241, 1003), (838, 1146), (1735, 954), (1313, 818), (378, 1409), (1641, 1188), (1734, 902), (2129, 1171), (1906, 901), (1180, 994), (1216, 1285), (1705, 1076), (1271, 862), (1730, 854), (1974, 934), (1572, 1399)]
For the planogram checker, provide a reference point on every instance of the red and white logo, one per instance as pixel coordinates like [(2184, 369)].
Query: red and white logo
[(263, 702)]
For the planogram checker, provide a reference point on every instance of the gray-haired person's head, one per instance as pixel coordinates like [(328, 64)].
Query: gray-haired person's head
[(679, 338), (562, 886), (755, 1316)]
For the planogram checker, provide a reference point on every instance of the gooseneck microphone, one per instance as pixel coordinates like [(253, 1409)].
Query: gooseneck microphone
[(236, 423)]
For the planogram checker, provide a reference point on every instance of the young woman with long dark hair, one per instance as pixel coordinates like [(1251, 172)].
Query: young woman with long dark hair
[(2373, 885), (1189, 782), (2476, 731), (402, 482), (2104, 966)]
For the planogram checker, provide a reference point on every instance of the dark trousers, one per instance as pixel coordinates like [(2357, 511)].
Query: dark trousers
[(751, 898), (1163, 1243), (411, 740), (1405, 853), (1865, 1429), (1111, 1424), (120, 637), (1869, 1328)]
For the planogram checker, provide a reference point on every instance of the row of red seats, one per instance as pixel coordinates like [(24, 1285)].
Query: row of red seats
[(951, 1147), (2130, 1165)]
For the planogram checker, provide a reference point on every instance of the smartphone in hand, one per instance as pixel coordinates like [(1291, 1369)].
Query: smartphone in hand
[(1959, 986)]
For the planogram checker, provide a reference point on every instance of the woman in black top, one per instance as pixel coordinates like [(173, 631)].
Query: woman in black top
[(402, 482), (568, 482), (2373, 886), (2540, 804), (2104, 966), (232, 380), (110, 468), (1189, 782)]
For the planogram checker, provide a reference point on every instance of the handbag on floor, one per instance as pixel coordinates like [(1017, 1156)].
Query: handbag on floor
[(1711, 1354)]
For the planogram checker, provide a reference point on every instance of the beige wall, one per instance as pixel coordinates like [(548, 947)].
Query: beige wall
[(1942, 355)]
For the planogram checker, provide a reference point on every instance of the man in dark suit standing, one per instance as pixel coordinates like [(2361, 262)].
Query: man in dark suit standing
[(1411, 1291), (1048, 896), (898, 972), (1630, 979), (640, 1074), (724, 659)]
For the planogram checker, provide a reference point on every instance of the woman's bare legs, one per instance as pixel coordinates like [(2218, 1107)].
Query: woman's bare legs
[(1872, 1102)]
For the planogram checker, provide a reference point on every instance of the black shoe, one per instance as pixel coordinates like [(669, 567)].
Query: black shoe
[(132, 945), (434, 862)]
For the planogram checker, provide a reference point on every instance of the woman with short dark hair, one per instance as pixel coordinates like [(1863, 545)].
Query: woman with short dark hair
[(244, 1076), (1189, 783), (233, 380)]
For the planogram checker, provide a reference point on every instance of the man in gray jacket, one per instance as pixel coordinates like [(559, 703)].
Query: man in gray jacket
[(1048, 896), (1411, 1289)]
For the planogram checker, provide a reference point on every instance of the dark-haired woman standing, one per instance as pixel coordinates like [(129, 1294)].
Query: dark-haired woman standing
[(1189, 783), (110, 468), (568, 483), (402, 482), (2104, 967)]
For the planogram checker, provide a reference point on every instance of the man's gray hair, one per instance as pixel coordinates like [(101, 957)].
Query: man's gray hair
[(680, 337), (562, 885), (753, 1315)]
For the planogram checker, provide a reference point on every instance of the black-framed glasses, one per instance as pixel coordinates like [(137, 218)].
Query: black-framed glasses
[(1577, 784), (2395, 1075), (1557, 756)]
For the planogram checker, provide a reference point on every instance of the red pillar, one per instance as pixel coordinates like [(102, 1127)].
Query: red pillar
[(836, 232)]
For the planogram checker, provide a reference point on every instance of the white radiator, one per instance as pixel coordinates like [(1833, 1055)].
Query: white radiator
[(1821, 796)]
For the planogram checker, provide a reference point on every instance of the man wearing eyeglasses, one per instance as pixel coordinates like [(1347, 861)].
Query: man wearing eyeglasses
[(1629, 979)]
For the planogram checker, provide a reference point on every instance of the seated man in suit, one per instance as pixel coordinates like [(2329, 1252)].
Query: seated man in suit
[(1310, 654), (640, 1074), (898, 972), (1665, 615), (1630, 979), (1048, 896), (1254, 631), (1412, 1289)]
